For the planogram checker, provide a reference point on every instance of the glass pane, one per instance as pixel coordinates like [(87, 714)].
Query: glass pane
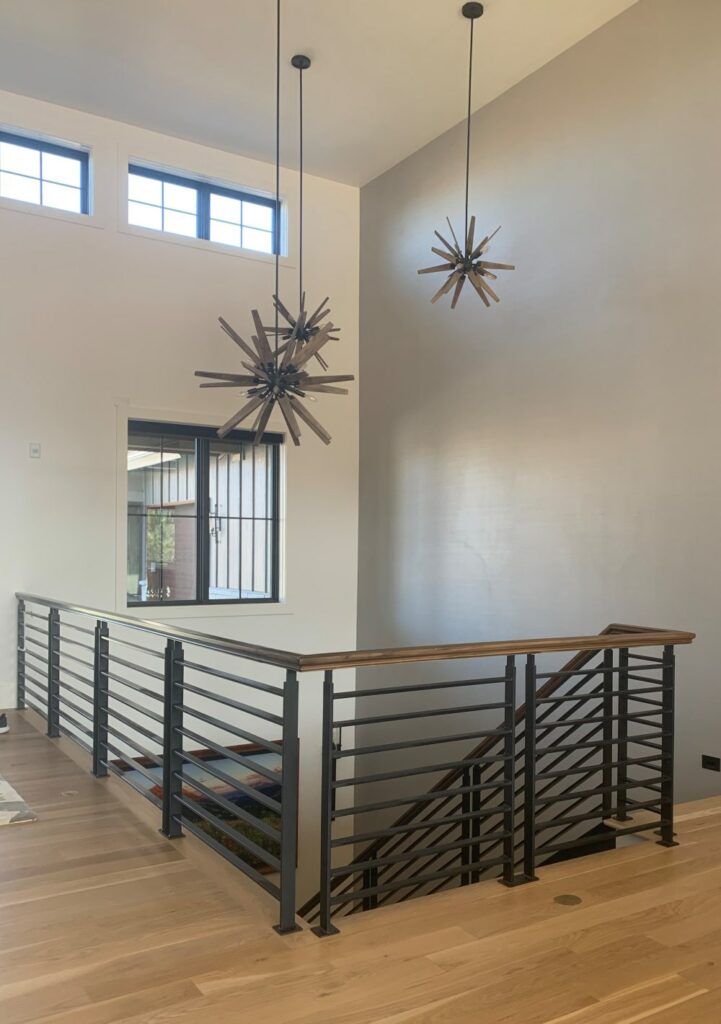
[(19, 159), (136, 574), (12, 186), (247, 486), (257, 216), (259, 241), (177, 476), (145, 190), (163, 557), (236, 463), (226, 234), (61, 169), (220, 483), (260, 580), (224, 559), (225, 208), (179, 197), (247, 547), (61, 197), (262, 483), (145, 216), (180, 223), (225, 480), (161, 475)]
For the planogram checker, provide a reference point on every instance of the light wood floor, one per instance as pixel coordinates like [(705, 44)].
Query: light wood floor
[(104, 921)]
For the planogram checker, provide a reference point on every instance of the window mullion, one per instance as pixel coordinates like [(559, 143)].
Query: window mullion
[(204, 211), (202, 490), (275, 555), (85, 185)]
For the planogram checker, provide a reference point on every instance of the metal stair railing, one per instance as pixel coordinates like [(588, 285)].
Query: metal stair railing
[(155, 705), (427, 847)]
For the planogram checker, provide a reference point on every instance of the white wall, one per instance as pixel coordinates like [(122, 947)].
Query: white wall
[(551, 465), (99, 321)]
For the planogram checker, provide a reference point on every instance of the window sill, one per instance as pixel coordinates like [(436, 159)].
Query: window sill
[(171, 613), (86, 220), (203, 245)]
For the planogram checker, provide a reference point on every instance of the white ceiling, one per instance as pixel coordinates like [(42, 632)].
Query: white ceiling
[(388, 75)]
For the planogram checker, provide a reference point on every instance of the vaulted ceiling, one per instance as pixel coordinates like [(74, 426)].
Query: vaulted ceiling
[(388, 75)]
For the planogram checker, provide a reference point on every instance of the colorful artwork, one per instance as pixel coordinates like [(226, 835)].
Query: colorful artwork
[(239, 797)]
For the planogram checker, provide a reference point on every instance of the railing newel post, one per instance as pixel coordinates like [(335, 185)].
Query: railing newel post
[(172, 740), (370, 881), (54, 673), (529, 789), (21, 657), (100, 699), (325, 925), (622, 772), (509, 877), (466, 812), (476, 820), (289, 806), (607, 770), (667, 746)]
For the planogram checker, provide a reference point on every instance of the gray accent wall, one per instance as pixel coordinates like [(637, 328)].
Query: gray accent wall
[(553, 464)]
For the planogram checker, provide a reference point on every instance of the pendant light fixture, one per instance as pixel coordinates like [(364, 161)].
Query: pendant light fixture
[(276, 374), (465, 261)]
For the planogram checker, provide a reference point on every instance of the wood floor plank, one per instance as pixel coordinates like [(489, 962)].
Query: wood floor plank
[(103, 921), (635, 1004)]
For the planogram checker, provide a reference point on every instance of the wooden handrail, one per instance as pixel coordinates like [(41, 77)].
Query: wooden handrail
[(624, 636), (222, 644), (634, 636)]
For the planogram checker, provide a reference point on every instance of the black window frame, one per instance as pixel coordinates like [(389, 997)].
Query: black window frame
[(55, 149), (205, 190), (203, 436)]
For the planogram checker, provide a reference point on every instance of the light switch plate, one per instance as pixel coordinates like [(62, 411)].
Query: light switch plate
[(35, 449)]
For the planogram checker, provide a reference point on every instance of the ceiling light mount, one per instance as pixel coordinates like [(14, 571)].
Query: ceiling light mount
[(472, 11), (302, 63)]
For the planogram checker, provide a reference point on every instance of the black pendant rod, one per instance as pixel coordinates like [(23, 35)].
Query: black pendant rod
[(301, 63), (472, 11), (277, 176), (300, 225)]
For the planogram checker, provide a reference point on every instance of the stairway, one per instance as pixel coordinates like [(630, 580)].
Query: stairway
[(457, 837)]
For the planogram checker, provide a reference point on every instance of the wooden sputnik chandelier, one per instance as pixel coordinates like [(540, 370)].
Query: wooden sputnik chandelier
[(276, 374), (465, 262)]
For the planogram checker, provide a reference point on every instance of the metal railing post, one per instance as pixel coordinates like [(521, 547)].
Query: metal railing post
[(476, 820), (509, 878), (370, 881), (466, 825), (529, 774), (622, 771), (54, 673), (172, 740), (325, 925), (667, 746), (289, 806), (100, 700), (607, 772), (21, 657)]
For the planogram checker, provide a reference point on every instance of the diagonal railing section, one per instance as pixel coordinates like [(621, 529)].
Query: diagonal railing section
[(591, 746), (485, 769), (431, 737)]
